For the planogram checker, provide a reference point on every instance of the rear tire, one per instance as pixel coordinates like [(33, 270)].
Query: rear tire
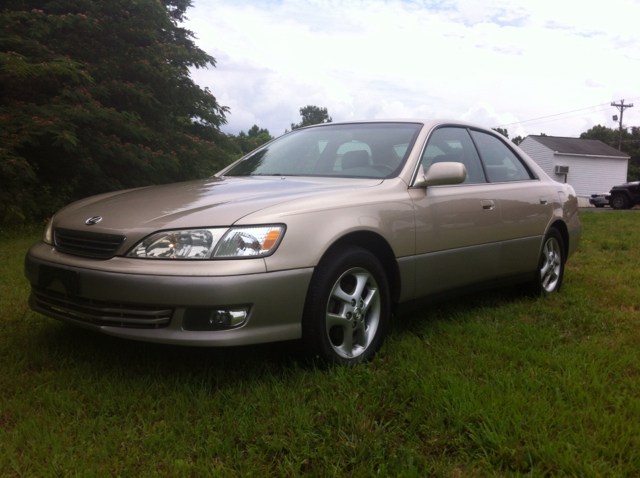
[(550, 270), (347, 310), (619, 201)]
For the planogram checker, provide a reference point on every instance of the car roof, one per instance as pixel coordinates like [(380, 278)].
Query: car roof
[(426, 122)]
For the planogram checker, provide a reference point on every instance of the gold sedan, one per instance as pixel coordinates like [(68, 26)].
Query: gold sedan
[(318, 235)]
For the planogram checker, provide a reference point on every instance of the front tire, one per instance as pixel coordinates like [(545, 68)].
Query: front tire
[(347, 310), (550, 270)]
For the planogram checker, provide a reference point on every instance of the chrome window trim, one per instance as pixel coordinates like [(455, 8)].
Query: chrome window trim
[(478, 184)]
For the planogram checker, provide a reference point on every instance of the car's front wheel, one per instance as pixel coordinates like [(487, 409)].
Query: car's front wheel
[(347, 310)]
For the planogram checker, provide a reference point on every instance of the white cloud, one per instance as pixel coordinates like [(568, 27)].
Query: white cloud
[(491, 61)]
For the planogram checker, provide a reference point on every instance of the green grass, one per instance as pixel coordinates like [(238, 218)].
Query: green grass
[(494, 384)]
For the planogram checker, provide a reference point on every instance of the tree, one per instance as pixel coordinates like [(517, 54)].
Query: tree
[(630, 145), (244, 143), (255, 131), (602, 133), (96, 96), (502, 131), (312, 115)]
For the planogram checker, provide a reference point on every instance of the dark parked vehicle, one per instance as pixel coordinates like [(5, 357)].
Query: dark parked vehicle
[(625, 196)]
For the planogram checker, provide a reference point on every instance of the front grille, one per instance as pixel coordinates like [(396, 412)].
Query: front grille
[(88, 244), (113, 314)]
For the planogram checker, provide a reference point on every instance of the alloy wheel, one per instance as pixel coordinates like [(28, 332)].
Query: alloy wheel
[(353, 313), (552, 265)]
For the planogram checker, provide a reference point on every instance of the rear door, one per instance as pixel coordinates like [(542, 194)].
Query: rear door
[(525, 205)]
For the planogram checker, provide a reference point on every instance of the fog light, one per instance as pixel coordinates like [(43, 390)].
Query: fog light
[(214, 319)]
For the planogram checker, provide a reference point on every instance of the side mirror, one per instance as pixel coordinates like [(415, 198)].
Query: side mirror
[(440, 174)]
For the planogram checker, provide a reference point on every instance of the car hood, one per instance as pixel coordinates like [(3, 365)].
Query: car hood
[(203, 203)]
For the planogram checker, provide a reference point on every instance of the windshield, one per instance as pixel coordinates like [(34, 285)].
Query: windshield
[(367, 150)]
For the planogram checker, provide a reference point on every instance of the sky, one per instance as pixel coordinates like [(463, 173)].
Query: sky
[(530, 66)]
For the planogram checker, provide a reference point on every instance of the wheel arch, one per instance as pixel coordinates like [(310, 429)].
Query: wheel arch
[(379, 247), (624, 192)]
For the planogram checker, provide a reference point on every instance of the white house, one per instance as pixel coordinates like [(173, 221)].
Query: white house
[(589, 165)]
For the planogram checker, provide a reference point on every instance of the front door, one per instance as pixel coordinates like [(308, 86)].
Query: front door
[(458, 229)]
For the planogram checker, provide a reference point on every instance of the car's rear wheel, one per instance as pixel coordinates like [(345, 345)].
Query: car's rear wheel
[(347, 310), (619, 201), (550, 265)]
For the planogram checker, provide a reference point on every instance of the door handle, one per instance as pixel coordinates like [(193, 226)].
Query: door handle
[(487, 205), (543, 200)]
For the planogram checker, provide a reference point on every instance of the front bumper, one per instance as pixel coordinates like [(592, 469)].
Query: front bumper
[(275, 301), (597, 200)]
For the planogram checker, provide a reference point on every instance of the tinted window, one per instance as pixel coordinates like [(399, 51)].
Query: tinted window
[(374, 150), (500, 163), (453, 145)]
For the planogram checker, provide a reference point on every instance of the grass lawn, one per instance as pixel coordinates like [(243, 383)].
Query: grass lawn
[(493, 384)]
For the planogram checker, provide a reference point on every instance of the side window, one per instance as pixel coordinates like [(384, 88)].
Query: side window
[(500, 163), (451, 144)]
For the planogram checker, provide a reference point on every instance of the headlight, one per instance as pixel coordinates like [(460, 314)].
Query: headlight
[(187, 244), (224, 243), (253, 241), (48, 233)]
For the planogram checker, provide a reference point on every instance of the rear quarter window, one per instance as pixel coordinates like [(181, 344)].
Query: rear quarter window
[(500, 163)]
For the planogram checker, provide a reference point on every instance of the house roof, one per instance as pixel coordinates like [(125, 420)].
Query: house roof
[(587, 147)]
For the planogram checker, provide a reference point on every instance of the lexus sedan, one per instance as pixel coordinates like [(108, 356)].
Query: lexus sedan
[(318, 235)]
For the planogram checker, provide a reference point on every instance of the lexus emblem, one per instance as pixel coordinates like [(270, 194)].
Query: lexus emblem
[(93, 220)]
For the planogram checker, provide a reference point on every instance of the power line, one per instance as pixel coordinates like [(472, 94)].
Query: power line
[(551, 116), (556, 119), (557, 114)]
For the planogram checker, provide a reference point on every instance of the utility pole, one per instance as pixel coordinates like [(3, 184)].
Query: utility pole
[(621, 106)]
